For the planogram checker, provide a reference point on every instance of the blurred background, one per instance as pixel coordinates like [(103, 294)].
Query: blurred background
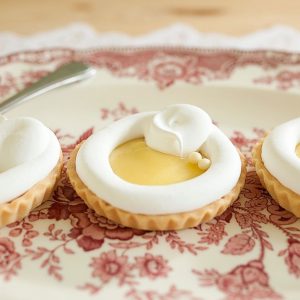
[(233, 17)]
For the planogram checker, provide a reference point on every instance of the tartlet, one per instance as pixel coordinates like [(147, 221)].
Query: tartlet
[(277, 163), (30, 166), (180, 134)]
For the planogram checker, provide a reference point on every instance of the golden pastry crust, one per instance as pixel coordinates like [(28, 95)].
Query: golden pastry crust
[(153, 222), (20, 207), (280, 193)]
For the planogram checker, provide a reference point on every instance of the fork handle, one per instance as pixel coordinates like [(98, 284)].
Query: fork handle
[(66, 74)]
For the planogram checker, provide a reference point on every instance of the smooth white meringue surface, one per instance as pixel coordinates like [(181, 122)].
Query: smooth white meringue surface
[(28, 153), (94, 169), (279, 154)]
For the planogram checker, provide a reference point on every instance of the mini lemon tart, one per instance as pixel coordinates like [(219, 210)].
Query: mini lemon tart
[(277, 163), (164, 170), (30, 165)]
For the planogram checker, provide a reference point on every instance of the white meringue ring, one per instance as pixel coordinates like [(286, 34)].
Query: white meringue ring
[(94, 169), (279, 154)]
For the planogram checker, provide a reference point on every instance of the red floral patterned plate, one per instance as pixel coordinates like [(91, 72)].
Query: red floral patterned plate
[(63, 250)]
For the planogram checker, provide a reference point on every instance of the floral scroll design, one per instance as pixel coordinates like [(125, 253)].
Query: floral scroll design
[(165, 66), (10, 83), (283, 80), (252, 212), (110, 266)]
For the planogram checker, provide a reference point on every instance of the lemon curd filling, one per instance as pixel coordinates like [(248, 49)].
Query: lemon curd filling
[(135, 162), (298, 150)]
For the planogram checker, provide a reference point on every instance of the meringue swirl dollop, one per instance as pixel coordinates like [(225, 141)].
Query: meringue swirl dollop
[(178, 129)]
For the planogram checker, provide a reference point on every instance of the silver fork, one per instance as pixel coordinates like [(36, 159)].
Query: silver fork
[(66, 74)]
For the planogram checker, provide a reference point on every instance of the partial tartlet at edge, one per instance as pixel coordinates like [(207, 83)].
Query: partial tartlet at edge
[(20, 207), (285, 197)]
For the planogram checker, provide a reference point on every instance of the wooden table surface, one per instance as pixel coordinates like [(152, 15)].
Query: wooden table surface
[(235, 17)]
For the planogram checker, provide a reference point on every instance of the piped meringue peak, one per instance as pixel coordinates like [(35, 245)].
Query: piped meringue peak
[(177, 130), (28, 153)]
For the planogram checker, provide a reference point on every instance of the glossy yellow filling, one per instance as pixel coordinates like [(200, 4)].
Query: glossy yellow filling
[(135, 162), (298, 150)]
